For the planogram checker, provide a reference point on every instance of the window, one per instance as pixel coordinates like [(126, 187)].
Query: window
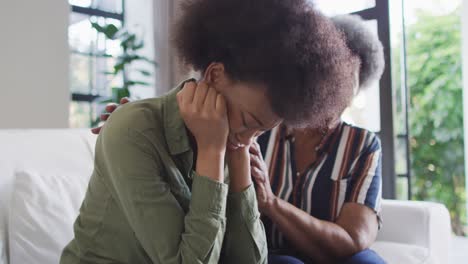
[(89, 60), (427, 74), (336, 7)]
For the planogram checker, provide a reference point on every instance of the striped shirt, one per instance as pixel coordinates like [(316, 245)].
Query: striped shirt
[(347, 169)]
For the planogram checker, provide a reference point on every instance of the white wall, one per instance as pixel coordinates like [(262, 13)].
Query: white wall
[(464, 17), (34, 58), (139, 19)]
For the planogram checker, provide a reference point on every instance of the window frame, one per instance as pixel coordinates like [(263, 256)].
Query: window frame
[(90, 97), (381, 13)]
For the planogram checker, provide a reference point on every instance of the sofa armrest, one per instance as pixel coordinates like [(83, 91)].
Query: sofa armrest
[(424, 224)]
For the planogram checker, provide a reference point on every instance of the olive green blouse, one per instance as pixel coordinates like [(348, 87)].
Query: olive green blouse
[(146, 204)]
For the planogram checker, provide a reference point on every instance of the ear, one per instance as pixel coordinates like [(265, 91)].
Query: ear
[(215, 74)]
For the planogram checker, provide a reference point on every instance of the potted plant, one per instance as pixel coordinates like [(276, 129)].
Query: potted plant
[(131, 45)]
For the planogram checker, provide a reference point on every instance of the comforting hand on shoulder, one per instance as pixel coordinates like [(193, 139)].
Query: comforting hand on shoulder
[(110, 108)]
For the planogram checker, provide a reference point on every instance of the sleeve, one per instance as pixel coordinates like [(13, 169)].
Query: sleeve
[(130, 163), (365, 180), (245, 239)]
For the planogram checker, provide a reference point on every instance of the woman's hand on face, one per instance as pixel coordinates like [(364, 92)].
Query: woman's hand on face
[(205, 115), (259, 171), (110, 108)]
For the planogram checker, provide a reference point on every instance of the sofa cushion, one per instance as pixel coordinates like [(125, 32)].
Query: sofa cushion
[(42, 211), (424, 224), (397, 253), (47, 151)]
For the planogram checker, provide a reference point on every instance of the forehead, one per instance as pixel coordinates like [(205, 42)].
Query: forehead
[(253, 100)]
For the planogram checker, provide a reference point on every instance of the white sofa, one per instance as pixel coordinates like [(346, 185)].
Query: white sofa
[(413, 232)]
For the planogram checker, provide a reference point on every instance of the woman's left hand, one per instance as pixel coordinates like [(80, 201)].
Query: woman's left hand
[(259, 171)]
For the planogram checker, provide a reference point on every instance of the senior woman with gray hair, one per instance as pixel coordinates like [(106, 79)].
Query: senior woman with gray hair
[(319, 190)]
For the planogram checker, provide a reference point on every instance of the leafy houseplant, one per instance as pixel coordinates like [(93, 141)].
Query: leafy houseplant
[(131, 44)]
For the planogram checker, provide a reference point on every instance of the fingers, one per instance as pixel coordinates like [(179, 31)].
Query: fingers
[(257, 174), (111, 107), (253, 149), (256, 155), (185, 96), (124, 100), (210, 100), (200, 95), (104, 116), (258, 167), (96, 130), (257, 149), (255, 161), (220, 104)]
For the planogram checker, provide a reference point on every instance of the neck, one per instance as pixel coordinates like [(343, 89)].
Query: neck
[(307, 138), (310, 137)]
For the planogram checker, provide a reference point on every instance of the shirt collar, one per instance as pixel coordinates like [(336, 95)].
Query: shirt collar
[(327, 141), (330, 138), (174, 126)]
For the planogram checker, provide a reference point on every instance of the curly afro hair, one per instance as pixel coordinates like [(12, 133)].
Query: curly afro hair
[(294, 50), (363, 42)]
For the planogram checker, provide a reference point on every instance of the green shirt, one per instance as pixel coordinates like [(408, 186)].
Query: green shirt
[(146, 204)]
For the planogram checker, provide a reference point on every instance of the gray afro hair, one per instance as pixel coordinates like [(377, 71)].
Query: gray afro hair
[(364, 43)]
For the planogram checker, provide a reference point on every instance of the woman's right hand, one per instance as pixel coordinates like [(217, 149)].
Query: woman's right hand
[(205, 115)]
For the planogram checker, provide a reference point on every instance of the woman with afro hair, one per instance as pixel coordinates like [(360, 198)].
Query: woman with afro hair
[(159, 192)]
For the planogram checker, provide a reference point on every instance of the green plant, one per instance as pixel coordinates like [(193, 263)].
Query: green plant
[(436, 117), (131, 45)]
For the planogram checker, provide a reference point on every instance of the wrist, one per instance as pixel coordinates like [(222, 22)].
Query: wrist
[(210, 163), (237, 185), (269, 206), (211, 152), (238, 162), (237, 159)]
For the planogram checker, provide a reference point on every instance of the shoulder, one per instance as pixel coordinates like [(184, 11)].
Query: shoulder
[(369, 140), (135, 125), (148, 114), (139, 116), (150, 124)]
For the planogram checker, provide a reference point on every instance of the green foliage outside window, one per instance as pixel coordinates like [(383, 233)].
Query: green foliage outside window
[(434, 72)]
